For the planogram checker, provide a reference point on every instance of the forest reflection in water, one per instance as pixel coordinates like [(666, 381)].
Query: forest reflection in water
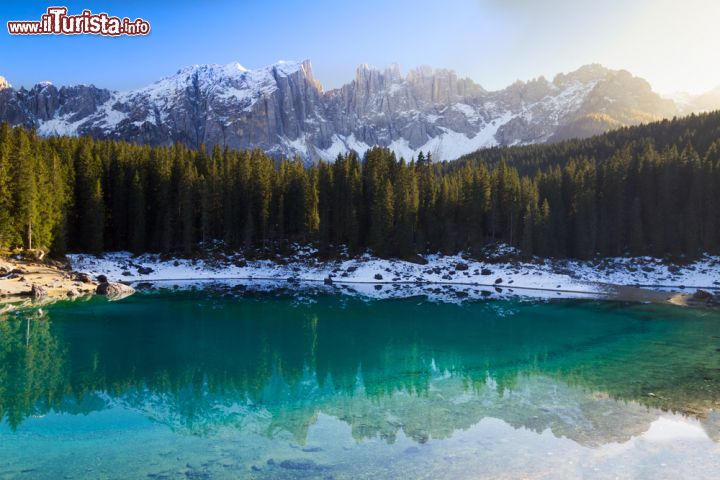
[(201, 363)]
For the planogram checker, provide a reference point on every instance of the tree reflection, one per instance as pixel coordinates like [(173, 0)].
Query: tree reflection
[(33, 369)]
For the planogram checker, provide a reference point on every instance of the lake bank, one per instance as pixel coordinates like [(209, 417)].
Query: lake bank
[(501, 273), (41, 281), (26, 282)]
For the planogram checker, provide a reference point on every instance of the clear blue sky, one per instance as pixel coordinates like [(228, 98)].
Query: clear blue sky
[(673, 44)]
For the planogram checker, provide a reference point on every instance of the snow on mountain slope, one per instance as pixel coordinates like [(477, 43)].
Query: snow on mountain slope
[(283, 110)]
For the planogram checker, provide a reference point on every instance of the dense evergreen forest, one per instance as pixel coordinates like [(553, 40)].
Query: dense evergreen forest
[(650, 189)]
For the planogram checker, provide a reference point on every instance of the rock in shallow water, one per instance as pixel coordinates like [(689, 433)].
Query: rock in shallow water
[(702, 295), (300, 464), (114, 290)]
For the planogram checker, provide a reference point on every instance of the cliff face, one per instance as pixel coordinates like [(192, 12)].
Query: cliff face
[(283, 110)]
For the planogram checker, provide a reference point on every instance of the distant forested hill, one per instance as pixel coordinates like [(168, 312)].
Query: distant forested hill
[(651, 189)]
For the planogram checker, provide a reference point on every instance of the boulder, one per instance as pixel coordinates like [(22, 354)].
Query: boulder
[(702, 296), (38, 291), (114, 290), (378, 276), (82, 277), (498, 280), (145, 270), (486, 271), (416, 259), (460, 266)]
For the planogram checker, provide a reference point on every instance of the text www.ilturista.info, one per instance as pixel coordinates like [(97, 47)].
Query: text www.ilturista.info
[(57, 22)]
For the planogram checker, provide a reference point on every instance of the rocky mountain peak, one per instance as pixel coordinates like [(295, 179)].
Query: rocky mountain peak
[(282, 109), (4, 83), (593, 72), (306, 70), (214, 75)]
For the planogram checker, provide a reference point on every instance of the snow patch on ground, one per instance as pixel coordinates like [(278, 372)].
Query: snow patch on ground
[(443, 278)]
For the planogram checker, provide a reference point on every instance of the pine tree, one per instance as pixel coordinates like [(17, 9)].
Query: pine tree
[(25, 175), (6, 186), (89, 203), (136, 214), (426, 198), (187, 202)]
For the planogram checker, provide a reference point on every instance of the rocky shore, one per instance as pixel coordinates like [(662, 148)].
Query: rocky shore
[(501, 272), (32, 280)]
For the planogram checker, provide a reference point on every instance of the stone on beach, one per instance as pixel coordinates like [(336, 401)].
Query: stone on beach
[(38, 291)]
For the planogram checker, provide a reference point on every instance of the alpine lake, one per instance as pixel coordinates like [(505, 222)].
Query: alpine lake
[(209, 383)]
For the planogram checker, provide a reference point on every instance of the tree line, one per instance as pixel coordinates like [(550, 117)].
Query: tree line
[(641, 190)]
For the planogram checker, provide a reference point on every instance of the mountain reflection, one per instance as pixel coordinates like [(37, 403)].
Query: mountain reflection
[(202, 362)]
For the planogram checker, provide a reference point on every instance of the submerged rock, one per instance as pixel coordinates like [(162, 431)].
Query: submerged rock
[(300, 464)]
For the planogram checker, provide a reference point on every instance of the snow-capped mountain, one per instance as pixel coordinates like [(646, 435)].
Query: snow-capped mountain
[(284, 110)]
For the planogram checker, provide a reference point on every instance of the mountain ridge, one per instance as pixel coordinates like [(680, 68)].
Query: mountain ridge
[(283, 110)]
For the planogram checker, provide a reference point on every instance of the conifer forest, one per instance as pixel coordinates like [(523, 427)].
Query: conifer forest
[(645, 190)]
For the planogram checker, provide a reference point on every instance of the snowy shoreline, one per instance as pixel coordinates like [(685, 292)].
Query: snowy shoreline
[(444, 278)]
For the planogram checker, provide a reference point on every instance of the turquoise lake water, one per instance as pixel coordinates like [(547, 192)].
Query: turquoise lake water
[(202, 384)]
